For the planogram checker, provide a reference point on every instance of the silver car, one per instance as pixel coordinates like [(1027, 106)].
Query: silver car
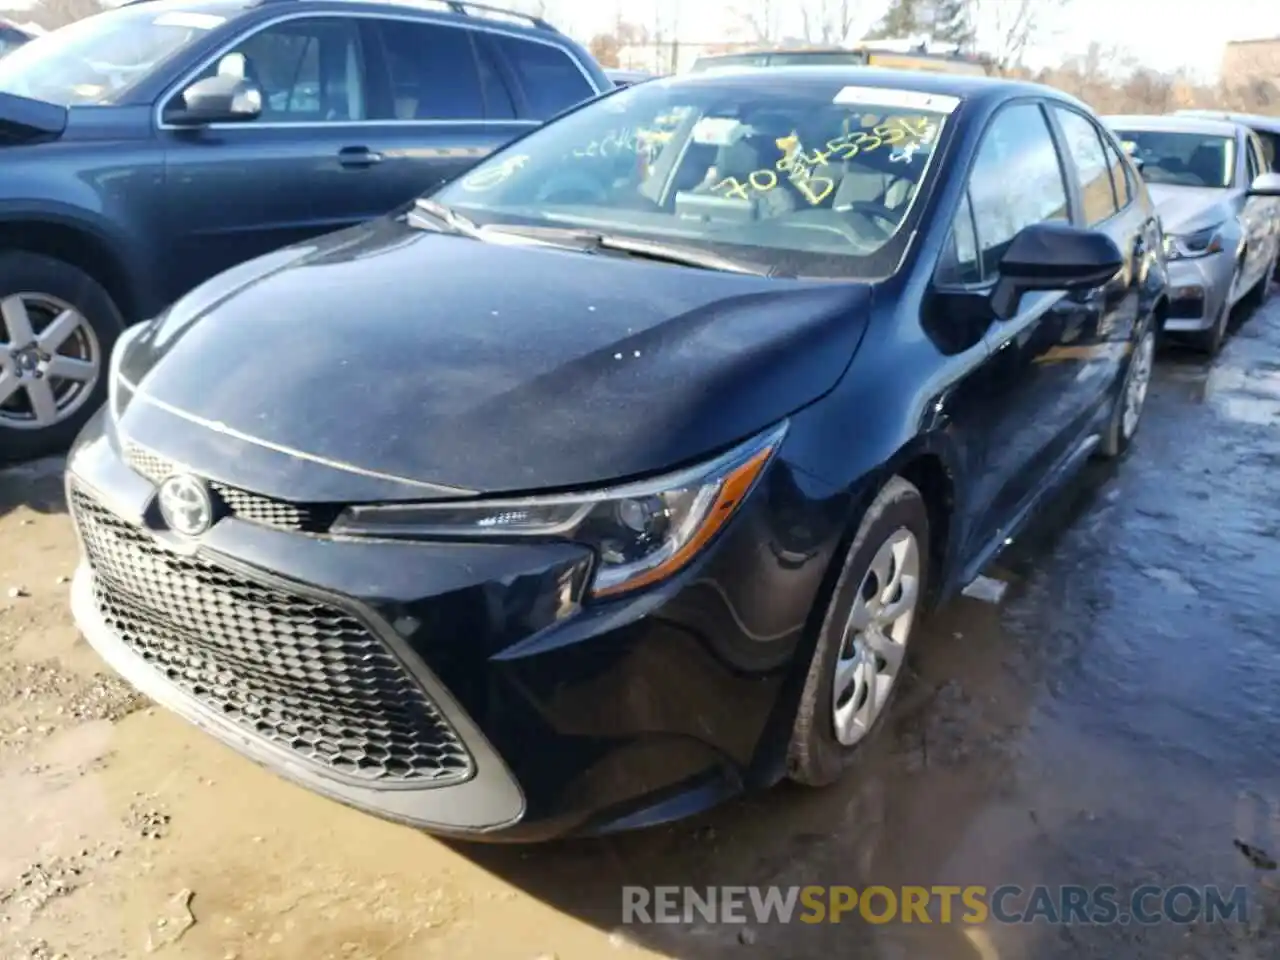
[(1220, 208)]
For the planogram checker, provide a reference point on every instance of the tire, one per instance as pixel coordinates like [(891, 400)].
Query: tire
[(1121, 429), (816, 756), (1257, 296), (48, 288), (1209, 342)]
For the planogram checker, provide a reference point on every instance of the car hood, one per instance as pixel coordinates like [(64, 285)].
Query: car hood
[(1187, 209), (23, 120), (413, 358)]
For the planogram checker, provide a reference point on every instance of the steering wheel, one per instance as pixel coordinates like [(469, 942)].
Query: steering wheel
[(571, 186)]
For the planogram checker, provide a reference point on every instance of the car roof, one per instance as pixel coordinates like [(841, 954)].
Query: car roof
[(963, 86), (461, 11), (1172, 123), (1255, 120)]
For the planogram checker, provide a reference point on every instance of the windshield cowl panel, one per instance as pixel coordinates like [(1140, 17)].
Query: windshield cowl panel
[(808, 179)]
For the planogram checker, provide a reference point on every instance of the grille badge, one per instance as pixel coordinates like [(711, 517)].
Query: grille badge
[(186, 505)]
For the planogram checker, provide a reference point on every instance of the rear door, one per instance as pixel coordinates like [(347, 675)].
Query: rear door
[(438, 103), (1089, 360), (234, 191)]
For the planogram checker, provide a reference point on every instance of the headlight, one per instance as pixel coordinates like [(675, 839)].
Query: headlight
[(116, 402), (641, 532), (1198, 244)]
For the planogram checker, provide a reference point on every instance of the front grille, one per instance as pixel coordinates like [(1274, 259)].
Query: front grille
[(301, 674), (254, 507)]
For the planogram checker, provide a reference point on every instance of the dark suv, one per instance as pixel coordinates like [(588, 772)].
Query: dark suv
[(151, 147)]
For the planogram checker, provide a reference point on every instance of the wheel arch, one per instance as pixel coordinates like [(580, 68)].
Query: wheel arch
[(79, 244)]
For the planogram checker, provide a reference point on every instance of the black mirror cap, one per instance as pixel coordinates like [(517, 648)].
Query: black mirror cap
[(218, 99), (1053, 256)]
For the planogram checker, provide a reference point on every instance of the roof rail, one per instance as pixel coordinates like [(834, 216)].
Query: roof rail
[(461, 7)]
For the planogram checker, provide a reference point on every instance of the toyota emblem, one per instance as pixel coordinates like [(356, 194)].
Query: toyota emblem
[(186, 505)]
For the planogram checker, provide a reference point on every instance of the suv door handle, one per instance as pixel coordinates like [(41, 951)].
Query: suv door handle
[(358, 157)]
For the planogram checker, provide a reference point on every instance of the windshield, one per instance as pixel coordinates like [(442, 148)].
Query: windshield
[(1182, 159), (96, 60), (811, 177)]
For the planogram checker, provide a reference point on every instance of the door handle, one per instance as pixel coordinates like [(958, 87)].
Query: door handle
[(358, 157)]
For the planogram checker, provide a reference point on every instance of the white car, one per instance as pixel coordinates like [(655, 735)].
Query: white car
[(1218, 203)]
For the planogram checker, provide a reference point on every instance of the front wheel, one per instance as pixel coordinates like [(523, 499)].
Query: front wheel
[(862, 644), (57, 327), (1126, 413)]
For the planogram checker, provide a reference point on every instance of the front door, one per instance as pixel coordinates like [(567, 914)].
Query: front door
[(1017, 179), (304, 167)]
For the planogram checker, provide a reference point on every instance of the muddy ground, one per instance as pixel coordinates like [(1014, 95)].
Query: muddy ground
[(1112, 720)]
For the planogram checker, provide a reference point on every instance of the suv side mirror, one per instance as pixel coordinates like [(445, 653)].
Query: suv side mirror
[(218, 99), (1265, 185), (1053, 256)]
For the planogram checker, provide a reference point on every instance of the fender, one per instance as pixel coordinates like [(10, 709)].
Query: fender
[(122, 253)]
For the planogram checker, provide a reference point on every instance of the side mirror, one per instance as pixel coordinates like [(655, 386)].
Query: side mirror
[(1266, 185), (218, 99), (1053, 256)]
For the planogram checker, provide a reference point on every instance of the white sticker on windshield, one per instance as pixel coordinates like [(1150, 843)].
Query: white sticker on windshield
[(193, 21), (715, 131), (901, 99)]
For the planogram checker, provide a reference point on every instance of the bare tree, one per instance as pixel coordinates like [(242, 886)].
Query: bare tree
[(1010, 27), (828, 22), (52, 14), (760, 18)]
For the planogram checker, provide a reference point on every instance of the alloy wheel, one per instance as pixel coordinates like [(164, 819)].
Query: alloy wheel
[(50, 360), (1137, 383), (874, 645)]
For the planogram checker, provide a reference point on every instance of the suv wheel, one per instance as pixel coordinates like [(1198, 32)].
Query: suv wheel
[(57, 327)]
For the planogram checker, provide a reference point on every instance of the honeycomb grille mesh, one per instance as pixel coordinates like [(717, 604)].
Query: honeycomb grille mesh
[(300, 674), (306, 517)]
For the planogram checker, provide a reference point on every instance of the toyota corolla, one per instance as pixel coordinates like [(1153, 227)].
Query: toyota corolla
[(615, 477)]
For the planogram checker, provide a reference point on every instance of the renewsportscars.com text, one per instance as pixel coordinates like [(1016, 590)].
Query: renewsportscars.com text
[(1097, 905)]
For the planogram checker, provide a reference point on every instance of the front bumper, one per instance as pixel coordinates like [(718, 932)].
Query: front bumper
[(1198, 291), (450, 686)]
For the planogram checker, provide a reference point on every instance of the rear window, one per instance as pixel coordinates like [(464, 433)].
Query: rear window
[(551, 79)]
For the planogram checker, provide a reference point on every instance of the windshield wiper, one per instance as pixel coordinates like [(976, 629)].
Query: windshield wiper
[(593, 241), (448, 216)]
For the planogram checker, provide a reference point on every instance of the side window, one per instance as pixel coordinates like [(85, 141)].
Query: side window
[(551, 79), (1270, 150), (309, 70), (1253, 161), (497, 97), (1119, 174), (432, 70), (1017, 149), (1084, 142), (959, 262)]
